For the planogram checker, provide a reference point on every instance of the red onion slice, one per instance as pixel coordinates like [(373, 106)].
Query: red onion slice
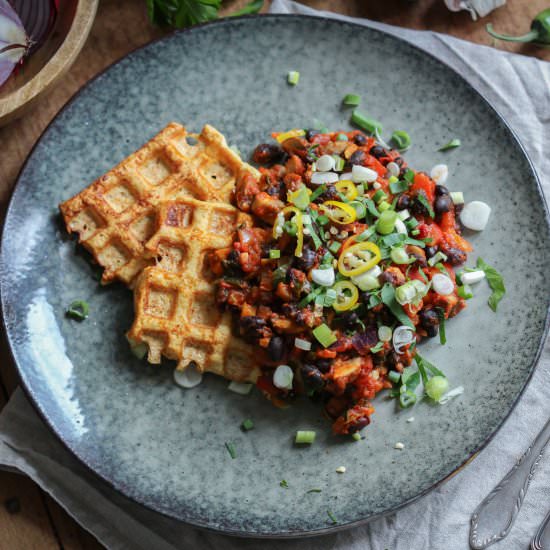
[(13, 40)]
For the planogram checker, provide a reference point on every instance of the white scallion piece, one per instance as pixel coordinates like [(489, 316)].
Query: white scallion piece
[(450, 394), (437, 257), (325, 163), (282, 377), (306, 218), (369, 279), (400, 446), (384, 333), (439, 173), (410, 419), (345, 176), (319, 178), (376, 185), (457, 197), (300, 343), (241, 388), (341, 469), (472, 277), (475, 215), (362, 173), (400, 227), (188, 378), (402, 336), (323, 277), (442, 284), (393, 169), (404, 214)]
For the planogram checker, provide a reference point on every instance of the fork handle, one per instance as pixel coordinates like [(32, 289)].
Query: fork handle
[(494, 517), (541, 540)]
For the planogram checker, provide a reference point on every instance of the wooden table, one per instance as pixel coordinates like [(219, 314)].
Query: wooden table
[(121, 25)]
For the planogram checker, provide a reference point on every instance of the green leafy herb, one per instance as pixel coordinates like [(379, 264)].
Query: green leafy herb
[(420, 361), (78, 310), (314, 491), (352, 100), (398, 186), (283, 483), (247, 425), (453, 144), (374, 300), (318, 192), (441, 315), (332, 517), (231, 449), (409, 175), (496, 282), (388, 298), (379, 347), (426, 204), (401, 139)]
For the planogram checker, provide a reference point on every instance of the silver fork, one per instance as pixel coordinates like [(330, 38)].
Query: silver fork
[(494, 517), (541, 540)]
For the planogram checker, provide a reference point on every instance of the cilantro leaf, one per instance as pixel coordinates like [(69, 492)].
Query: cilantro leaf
[(496, 282)]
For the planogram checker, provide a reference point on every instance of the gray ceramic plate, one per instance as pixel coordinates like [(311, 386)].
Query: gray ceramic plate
[(164, 446)]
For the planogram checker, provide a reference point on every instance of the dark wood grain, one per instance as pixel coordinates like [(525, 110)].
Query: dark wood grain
[(121, 26)]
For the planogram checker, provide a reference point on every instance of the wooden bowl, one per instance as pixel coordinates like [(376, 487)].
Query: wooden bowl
[(49, 63)]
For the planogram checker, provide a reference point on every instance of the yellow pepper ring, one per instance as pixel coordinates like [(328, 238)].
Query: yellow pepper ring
[(296, 132), (353, 251), (299, 227), (347, 187), (345, 301), (339, 212)]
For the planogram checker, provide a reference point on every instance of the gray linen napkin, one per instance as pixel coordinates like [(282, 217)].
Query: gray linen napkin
[(519, 87)]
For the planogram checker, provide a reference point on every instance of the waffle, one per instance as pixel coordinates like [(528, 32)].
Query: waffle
[(116, 215), (174, 301)]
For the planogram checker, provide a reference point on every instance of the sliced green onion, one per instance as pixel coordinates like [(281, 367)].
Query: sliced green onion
[(411, 223), (398, 186), (379, 196), (366, 234), (415, 232), (409, 175), (407, 399), (322, 219), (342, 137), (332, 517), (465, 291), (291, 228), (318, 192), (394, 376), (437, 257), (293, 78), (231, 449), (339, 163), (352, 100), (360, 189), (379, 347), (247, 425), (300, 198), (388, 296), (384, 205), (384, 333), (324, 335), (356, 436), (453, 144), (386, 222), (334, 247), (283, 483), (360, 209), (305, 437), (436, 387), (401, 139), (457, 197), (78, 310), (399, 255), (330, 297), (442, 336), (242, 388), (274, 254), (366, 123), (426, 204)]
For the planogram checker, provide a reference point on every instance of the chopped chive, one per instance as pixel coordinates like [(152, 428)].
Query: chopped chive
[(394, 376), (322, 219), (401, 139), (342, 137), (274, 254), (453, 144), (334, 247), (78, 310), (465, 291), (426, 204), (365, 123), (352, 100), (384, 205), (379, 196), (332, 517), (398, 186), (318, 192), (407, 399), (231, 449), (293, 78), (305, 436), (247, 425), (441, 315), (324, 335), (409, 175), (356, 436), (360, 209), (415, 232), (314, 491), (283, 483), (378, 347)]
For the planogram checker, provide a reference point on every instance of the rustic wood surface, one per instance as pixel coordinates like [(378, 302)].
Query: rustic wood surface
[(29, 519)]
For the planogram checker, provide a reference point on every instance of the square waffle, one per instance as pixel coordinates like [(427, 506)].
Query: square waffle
[(116, 215), (175, 310)]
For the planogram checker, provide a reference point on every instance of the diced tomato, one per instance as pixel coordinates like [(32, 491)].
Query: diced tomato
[(321, 139), (430, 231), (374, 164), (425, 183)]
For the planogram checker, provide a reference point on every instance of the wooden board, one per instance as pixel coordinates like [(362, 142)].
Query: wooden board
[(121, 26)]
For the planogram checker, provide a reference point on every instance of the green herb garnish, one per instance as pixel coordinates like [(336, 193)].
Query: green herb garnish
[(247, 425), (293, 78), (283, 483), (78, 310), (332, 517), (441, 315), (231, 449), (379, 347), (426, 204), (366, 123), (401, 139), (388, 298), (496, 282), (314, 491), (352, 100), (305, 436), (398, 186), (324, 335), (453, 144)]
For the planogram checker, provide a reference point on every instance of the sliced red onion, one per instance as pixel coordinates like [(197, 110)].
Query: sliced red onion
[(402, 336), (13, 40), (363, 341)]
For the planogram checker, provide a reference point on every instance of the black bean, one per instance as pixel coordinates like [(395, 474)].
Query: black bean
[(358, 424), (275, 189), (349, 319), (399, 161), (359, 157), (455, 256), (443, 204), (429, 319), (307, 260), (330, 194), (232, 264), (418, 208), (432, 331), (323, 364), (275, 348), (378, 151), (441, 190), (403, 202), (310, 133), (267, 153), (431, 251), (311, 376), (251, 327), (360, 139)]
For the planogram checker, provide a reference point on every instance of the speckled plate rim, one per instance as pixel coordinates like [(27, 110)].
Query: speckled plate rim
[(202, 525)]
